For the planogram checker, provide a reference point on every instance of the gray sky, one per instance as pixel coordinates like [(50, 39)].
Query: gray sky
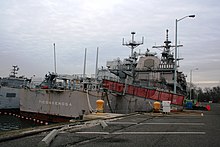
[(28, 29)]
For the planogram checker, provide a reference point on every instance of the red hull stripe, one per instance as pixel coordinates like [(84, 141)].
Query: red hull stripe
[(153, 94)]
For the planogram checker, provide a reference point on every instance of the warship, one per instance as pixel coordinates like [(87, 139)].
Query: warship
[(10, 88), (143, 79), (125, 86), (60, 98)]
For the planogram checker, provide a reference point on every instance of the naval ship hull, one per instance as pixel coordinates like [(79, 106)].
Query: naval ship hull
[(124, 104), (129, 98), (55, 105)]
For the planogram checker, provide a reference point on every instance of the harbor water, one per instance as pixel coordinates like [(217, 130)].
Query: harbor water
[(10, 122)]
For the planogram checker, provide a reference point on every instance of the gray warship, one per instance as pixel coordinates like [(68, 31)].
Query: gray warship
[(143, 79), (125, 86), (10, 88)]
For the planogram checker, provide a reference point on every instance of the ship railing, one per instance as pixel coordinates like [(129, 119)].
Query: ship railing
[(161, 67), (104, 77), (144, 69), (166, 66)]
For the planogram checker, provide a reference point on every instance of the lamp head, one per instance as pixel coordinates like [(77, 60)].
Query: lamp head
[(192, 16)]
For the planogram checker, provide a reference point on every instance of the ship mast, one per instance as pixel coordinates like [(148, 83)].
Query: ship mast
[(54, 49), (84, 65), (167, 57), (14, 71), (96, 65), (133, 44)]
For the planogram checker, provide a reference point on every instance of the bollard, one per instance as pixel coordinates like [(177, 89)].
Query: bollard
[(156, 106), (99, 106)]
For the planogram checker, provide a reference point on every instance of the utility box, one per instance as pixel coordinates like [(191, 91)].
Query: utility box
[(189, 105), (166, 106)]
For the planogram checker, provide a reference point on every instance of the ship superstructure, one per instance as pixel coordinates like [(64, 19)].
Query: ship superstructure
[(147, 70)]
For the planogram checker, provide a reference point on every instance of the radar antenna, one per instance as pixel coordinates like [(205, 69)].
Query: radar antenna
[(167, 57), (132, 44)]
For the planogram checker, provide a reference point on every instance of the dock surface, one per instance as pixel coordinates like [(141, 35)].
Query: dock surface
[(188, 128)]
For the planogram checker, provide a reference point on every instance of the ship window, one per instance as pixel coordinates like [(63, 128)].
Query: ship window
[(149, 63), (10, 94)]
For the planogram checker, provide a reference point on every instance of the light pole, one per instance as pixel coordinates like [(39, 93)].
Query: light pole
[(190, 82), (175, 66)]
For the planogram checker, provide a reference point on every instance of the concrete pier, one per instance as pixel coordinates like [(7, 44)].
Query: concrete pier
[(187, 128)]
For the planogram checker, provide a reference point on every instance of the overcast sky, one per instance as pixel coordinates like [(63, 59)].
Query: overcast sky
[(28, 29)]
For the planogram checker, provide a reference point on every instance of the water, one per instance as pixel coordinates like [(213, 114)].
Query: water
[(9, 122)]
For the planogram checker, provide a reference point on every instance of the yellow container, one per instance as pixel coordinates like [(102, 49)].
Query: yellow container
[(100, 106), (156, 106)]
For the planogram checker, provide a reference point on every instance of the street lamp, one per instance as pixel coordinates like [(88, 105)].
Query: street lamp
[(190, 82), (175, 66)]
